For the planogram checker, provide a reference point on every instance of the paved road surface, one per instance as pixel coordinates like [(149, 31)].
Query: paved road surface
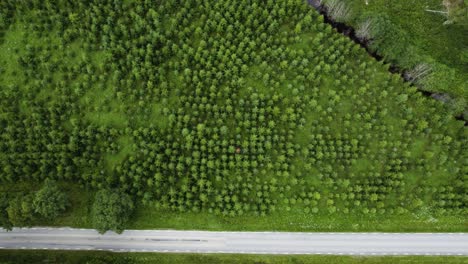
[(238, 242)]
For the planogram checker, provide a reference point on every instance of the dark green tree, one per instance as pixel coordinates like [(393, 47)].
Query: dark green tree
[(20, 210), (4, 220), (50, 201), (111, 210)]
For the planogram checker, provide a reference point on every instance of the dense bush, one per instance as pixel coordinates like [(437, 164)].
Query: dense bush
[(23, 208), (20, 210), (111, 210), (4, 219), (50, 201), (391, 42)]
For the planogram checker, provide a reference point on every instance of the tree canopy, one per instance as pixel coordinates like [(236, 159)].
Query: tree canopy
[(50, 201), (111, 210)]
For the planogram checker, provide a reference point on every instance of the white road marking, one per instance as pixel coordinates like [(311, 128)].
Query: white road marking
[(294, 243)]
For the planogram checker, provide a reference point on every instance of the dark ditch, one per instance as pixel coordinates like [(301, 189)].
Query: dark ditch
[(351, 33)]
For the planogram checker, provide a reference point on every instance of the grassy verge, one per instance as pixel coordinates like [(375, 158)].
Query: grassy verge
[(147, 217), (65, 257), (296, 220)]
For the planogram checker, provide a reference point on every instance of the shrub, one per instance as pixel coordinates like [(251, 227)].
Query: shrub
[(50, 201), (111, 210)]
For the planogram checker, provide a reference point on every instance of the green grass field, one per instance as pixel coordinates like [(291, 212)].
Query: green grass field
[(71, 257), (222, 116)]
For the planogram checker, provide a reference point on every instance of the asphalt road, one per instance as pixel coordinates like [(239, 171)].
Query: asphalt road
[(238, 242)]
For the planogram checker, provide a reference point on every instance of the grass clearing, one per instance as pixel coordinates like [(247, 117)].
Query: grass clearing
[(72, 257)]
